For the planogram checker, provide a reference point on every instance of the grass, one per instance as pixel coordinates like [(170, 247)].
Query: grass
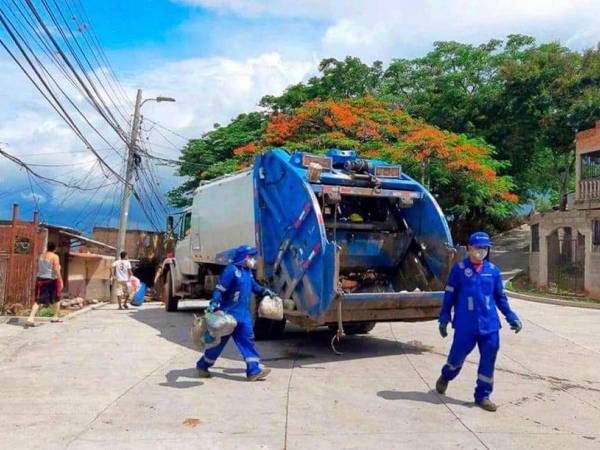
[(520, 283)]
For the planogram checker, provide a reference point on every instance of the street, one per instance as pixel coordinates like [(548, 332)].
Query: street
[(126, 379)]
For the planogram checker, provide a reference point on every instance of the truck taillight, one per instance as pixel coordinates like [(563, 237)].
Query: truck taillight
[(324, 161), (388, 171)]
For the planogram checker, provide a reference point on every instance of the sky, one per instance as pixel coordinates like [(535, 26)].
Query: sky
[(217, 58)]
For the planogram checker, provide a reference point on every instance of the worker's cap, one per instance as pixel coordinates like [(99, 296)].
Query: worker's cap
[(242, 252), (480, 239)]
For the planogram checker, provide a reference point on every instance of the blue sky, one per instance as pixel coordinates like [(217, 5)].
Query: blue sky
[(218, 58)]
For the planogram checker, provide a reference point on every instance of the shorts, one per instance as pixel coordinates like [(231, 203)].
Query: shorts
[(122, 289), (45, 291)]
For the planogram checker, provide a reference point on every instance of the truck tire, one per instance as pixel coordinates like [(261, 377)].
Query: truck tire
[(266, 329), (171, 302), (352, 328)]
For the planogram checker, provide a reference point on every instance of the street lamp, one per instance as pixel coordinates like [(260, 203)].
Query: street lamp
[(158, 99)]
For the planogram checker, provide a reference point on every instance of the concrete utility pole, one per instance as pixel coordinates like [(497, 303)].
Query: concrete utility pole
[(132, 159), (128, 186)]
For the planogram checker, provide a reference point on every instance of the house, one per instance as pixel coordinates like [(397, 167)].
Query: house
[(85, 262), (565, 245)]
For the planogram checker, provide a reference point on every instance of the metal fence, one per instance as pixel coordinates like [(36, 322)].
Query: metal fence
[(566, 261), (20, 246)]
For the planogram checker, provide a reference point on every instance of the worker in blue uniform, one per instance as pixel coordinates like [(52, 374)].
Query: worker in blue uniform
[(475, 290), (233, 295)]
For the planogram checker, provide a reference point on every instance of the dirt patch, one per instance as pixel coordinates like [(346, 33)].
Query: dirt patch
[(191, 422)]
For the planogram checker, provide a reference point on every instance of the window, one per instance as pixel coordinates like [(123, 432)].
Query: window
[(535, 237), (186, 225), (596, 236), (590, 165)]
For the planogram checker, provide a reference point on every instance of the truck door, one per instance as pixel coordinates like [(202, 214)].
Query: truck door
[(183, 249), (299, 261)]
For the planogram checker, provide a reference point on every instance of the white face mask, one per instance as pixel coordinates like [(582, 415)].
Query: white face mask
[(479, 254), (251, 263)]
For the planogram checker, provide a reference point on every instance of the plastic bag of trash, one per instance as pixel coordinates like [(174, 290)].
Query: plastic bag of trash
[(271, 308), (220, 323), (201, 337)]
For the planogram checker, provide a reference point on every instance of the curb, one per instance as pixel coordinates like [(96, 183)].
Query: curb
[(552, 301), (18, 319)]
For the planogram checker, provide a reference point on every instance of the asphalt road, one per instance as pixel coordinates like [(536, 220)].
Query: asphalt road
[(126, 379)]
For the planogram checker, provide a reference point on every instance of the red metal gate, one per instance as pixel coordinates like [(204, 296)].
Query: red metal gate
[(20, 246)]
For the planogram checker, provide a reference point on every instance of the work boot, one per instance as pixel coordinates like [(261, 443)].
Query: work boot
[(441, 385), (487, 404), (203, 373), (260, 375)]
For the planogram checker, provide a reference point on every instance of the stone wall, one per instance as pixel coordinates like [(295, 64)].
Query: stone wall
[(579, 220)]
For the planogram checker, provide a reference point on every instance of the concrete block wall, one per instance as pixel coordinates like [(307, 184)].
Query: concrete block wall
[(580, 221)]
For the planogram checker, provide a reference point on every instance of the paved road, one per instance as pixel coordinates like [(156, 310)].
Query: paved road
[(511, 251), (116, 379)]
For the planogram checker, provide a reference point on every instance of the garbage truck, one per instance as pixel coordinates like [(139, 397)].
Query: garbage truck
[(348, 241)]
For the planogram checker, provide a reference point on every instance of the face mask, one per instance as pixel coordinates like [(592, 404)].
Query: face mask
[(479, 254), (251, 263)]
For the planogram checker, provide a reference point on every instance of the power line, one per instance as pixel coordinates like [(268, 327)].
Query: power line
[(175, 133), (42, 177), (55, 103)]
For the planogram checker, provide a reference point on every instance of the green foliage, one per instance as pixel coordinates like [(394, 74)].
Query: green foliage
[(46, 312), (339, 79), (212, 155), (525, 100)]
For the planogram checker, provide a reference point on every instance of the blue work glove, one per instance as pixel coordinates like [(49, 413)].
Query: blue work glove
[(212, 307), (516, 325), (443, 329), (269, 292)]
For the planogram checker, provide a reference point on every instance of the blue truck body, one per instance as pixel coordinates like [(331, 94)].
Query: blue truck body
[(349, 239)]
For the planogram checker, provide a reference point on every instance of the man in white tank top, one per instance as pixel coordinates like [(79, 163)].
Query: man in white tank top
[(121, 274), (48, 285)]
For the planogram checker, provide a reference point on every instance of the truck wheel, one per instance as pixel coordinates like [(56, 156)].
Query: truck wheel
[(171, 302), (351, 328), (266, 329)]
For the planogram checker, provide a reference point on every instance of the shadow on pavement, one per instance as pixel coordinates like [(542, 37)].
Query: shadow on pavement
[(424, 397), (298, 346), (173, 377)]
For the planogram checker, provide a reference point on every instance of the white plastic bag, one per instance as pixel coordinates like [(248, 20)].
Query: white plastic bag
[(220, 323), (202, 338), (271, 308)]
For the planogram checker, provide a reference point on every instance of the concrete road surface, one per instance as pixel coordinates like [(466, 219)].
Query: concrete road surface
[(125, 380)]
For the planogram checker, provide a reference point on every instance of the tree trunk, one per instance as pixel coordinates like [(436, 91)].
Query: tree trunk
[(564, 182)]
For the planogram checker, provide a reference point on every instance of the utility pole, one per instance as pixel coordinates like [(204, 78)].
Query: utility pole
[(132, 158), (128, 185)]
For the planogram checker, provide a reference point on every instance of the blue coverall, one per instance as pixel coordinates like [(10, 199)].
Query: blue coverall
[(475, 297), (233, 295)]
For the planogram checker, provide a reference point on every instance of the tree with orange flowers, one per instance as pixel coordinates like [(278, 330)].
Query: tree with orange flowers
[(460, 172)]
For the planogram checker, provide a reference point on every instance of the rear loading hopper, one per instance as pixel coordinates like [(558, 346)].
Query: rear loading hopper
[(342, 235)]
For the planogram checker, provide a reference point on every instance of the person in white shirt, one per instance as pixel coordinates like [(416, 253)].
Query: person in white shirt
[(121, 274)]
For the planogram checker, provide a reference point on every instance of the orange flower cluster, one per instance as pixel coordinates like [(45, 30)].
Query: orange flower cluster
[(378, 130), (245, 150)]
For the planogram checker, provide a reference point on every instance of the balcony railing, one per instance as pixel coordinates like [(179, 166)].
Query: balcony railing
[(589, 189)]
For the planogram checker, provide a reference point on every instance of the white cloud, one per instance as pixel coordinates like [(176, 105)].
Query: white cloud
[(210, 90), (207, 90), (384, 29), (33, 197)]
